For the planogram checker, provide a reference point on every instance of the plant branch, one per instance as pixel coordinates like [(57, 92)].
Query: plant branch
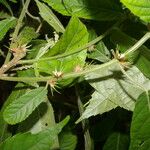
[(19, 24), (137, 45), (65, 76), (99, 38)]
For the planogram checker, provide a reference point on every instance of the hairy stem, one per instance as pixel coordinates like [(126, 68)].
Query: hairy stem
[(65, 76), (138, 44), (15, 34), (11, 63), (99, 38)]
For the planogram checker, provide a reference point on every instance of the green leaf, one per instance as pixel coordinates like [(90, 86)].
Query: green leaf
[(14, 1), (42, 118), (5, 25), (44, 140), (19, 89), (50, 17), (140, 58), (28, 73), (75, 36), (140, 8), (68, 141), (140, 131), (36, 46), (107, 10), (26, 35), (37, 122), (114, 89), (99, 51), (117, 141), (22, 107), (4, 15)]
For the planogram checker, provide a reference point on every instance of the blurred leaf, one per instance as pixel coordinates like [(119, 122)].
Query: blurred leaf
[(4, 15), (5, 3), (106, 10), (140, 8), (14, 1), (5, 25), (103, 128), (75, 36), (16, 93), (117, 141), (141, 58), (68, 141), (43, 140), (22, 107), (114, 89), (140, 131), (50, 17)]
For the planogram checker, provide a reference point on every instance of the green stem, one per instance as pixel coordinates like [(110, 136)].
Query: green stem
[(15, 34), (99, 38), (65, 76), (65, 54), (138, 44)]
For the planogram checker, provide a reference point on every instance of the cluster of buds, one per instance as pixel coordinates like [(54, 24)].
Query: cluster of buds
[(121, 58), (20, 50)]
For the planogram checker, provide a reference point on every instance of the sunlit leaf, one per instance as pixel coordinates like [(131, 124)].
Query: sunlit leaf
[(50, 17), (43, 140), (75, 36), (114, 89), (140, 8), (140, 131), (22, 107), (5, 25), (106, 10), (19, 89)]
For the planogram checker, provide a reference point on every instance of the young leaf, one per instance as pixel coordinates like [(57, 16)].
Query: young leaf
[(50, 17), (75, 36), (26, 35), (140, 131), (107, 10), (141, 58), (22, 107), (43, 140), (68, 141), (99, 51), (19, 90), (5, 25), (117, 141), (114, 89), (140, 8)]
